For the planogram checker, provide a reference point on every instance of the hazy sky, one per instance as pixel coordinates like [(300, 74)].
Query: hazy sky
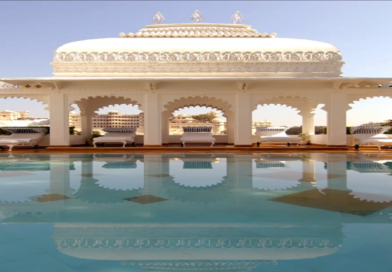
[(32, 31)]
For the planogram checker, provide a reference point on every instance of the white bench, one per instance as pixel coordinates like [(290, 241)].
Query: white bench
[(371, 135), (275, 135), (22, 137), (197, 135), (117, 135)]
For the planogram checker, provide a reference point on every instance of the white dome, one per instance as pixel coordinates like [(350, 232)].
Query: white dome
[(197, 50), (196, 45)]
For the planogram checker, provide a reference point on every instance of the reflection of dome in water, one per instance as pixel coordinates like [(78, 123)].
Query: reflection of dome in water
[(201, 265), (197, 248)]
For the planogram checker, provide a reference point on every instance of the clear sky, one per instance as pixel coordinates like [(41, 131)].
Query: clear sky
[(32, 31)]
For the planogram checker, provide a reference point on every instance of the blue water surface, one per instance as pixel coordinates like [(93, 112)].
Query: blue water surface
[(195, 212)]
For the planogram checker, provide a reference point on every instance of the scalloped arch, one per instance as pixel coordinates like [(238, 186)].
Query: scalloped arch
[(202, 101), (358, 98), (92, 104), (295, 102), (41, 99)]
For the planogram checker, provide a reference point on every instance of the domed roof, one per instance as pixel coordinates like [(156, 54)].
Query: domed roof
[(173, 47)]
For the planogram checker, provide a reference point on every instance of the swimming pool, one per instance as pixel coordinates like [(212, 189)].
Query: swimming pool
[(196, 212)]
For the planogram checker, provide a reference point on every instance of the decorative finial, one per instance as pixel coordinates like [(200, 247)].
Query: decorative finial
[(237, 18), (197, 16), (158, 18)]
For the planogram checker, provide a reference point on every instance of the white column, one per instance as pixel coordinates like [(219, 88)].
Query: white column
[(243, 120), (230, 127), (152, 120), (307, 122), (308, 171), (59, 175), (336, 119), (87, 128), (59, 120), (165, 129)]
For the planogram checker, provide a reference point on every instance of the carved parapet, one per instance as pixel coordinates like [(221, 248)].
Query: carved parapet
[(175, 57), (200, 30)]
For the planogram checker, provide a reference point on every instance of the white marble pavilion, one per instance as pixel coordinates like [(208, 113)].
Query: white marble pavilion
[(165, 67)]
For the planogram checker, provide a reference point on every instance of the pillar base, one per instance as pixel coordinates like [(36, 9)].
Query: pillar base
[(345, 146), (243, 145)]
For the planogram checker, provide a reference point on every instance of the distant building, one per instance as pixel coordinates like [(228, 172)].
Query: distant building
[(178, 121), (20, 118), (7, 115), (266, 123), (112, 119)]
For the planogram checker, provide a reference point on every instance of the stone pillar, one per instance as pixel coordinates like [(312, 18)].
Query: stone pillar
[(243, 121), (152, 120), (59, 175), (87, 128), (59, 119), (165, 129), (337, 107), (230, 127), (307, 122), (308, 171)]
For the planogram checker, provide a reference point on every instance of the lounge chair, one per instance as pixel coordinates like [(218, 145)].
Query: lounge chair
[(197, 135), (275, 135), (371, 135), (117, 135), (21, 136)]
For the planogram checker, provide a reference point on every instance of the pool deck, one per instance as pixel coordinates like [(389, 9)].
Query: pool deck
[(200, 149)]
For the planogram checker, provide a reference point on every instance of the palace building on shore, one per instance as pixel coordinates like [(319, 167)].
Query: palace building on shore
[(165, 67)]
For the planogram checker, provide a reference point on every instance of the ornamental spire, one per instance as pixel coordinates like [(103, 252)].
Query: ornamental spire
[(158, 18), (197, 16), (237, 18)]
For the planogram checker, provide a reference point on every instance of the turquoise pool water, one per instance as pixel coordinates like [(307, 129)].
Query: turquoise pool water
[(196, 212)]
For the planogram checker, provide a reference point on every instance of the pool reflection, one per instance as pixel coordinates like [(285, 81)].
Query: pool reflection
[(197, 211)]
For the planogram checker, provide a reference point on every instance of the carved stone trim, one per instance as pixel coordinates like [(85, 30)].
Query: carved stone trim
[(309, 68), (115, 57), (198, 31), (197, 242)]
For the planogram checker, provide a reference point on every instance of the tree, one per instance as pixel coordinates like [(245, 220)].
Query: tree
[(388, 123), (298, 130), (206, 117), (294, 131)]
